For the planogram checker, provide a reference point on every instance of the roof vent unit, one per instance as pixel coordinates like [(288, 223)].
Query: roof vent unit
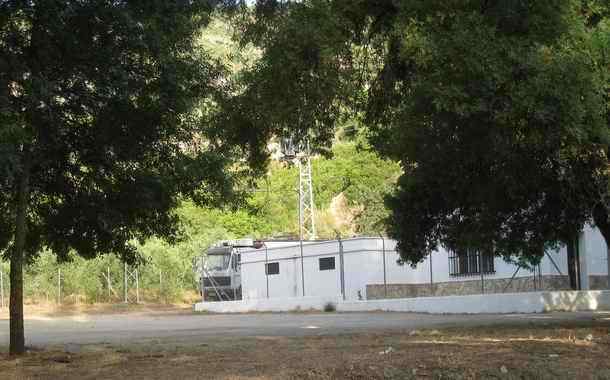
[(243, 243)]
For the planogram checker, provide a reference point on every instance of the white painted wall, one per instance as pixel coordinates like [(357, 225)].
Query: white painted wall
[(531, 302), (363, 263)]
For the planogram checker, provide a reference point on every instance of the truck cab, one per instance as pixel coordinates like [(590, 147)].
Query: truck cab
[(218, 271)]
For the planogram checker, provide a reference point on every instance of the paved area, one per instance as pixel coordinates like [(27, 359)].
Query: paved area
[(193, 328)]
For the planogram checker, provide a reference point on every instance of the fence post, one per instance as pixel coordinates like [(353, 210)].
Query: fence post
[(341, 266), (266, 265), (481, 270), (301, 236), (137, 287), (1, 288), (59, 286), (108, 283), (385, 281), (125, 282), (431, 279), (302, 263), (201, 281), (160, 284)]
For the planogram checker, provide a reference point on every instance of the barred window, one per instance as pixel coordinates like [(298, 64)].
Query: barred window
[(468, 262)]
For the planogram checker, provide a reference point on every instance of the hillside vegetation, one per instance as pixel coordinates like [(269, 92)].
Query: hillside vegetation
[(349, 190)]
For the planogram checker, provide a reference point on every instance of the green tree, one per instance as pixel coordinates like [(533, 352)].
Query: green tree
[(500, 126), (292, 89), (104, 115), (496, 110)]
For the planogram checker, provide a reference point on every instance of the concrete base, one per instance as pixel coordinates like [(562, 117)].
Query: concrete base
[(532, 302), (268, 305), (469, 286), (598, 282)]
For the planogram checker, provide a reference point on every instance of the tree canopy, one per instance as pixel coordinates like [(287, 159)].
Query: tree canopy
[(499, 119), (105, 113), (496, 110)]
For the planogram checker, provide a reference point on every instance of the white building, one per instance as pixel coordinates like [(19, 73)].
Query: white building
[(354, 269)]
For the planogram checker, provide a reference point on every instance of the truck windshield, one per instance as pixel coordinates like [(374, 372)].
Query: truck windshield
[(218, 262)]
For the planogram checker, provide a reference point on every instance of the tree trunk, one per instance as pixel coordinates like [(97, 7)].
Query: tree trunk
[(17, 334), (573, 267)]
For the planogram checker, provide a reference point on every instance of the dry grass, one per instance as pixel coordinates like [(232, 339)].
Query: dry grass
[(55, 310), (565, 351)]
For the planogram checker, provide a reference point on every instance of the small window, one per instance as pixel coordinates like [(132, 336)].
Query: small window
[(468, 263), (327, 263), (273, 268)]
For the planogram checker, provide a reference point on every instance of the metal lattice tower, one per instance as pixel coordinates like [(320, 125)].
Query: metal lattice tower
[(300, 156), (307, 220)]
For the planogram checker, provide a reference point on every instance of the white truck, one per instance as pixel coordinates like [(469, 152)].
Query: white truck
[(218, 271)]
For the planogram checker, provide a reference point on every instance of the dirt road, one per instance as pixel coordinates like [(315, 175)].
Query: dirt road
[(188, 327), (177, 344)]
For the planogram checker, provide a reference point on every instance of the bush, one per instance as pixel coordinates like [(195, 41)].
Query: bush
[(330, 307)]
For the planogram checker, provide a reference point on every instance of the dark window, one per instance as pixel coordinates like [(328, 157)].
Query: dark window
[(468, 263), (327, 263), (273, 268)]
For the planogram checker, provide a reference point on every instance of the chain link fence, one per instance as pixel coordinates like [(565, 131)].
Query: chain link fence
[(101, 280)]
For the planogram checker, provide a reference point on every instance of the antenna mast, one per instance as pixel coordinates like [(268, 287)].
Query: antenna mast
[(301, 157)]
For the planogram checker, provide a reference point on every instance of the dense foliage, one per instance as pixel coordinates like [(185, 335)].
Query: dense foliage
[(357, 176), (496, 110), (100, 110), (498, 117), (106, 108)]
